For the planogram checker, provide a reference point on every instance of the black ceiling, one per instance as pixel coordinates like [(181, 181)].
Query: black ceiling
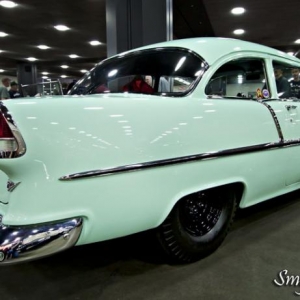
[(270, 22)]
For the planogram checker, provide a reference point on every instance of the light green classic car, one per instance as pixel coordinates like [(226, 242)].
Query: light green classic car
[(172, 137)]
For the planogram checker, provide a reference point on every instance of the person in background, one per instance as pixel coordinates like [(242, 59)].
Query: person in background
[(282, 84), (14, 90), (295, 83), (4, 94), (138, 85)]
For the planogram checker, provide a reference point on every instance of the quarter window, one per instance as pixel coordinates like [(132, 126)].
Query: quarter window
[(172, 72)]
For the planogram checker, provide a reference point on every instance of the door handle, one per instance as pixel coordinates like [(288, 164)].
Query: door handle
[(289, 107)]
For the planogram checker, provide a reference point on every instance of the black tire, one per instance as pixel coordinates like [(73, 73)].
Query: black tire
[(198, 224)]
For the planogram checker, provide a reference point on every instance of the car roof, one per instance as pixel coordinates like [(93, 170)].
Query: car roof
[(211, 49)]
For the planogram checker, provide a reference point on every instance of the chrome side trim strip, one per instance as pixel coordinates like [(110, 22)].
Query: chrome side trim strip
[(177, 160), (275, 119), (23, 243)]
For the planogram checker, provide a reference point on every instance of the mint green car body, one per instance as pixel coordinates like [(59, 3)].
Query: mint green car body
[(235, 141)]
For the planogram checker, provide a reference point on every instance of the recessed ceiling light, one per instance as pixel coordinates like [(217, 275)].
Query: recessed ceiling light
[(239, 31), (44, 77), (43, 47), (83, 71), (31, 59), (2, 34), (297, 41), (1, 70), (8, 4), (45, 73), (73, 56), (63, 76), (95, 43), (64, 66), (61, 27), (238, 10)]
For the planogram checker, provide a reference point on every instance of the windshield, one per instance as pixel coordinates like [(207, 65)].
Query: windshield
[(169, 71)]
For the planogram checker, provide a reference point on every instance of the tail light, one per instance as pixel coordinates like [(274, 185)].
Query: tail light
[(5, 131), (11, 141)]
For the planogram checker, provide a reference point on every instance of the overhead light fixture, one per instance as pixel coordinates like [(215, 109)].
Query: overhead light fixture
[(95, 43), (290, 53), (44, 77), (45, 73), (1, 70), (297, 41), (3, 34), (238, 10), (83, 71), (1, 51), (239, 31), (31, 59), (61, 27), (8, 4), (73, 56), (63, 76), (64, 66), (43, 47)]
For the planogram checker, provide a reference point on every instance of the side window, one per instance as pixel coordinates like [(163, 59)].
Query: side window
[(287, 80), (240, 78)]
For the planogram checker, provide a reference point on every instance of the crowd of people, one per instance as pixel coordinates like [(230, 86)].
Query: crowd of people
[(9, 89), (287, 88)]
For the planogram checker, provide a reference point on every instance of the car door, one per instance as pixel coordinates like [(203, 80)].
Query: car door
[(286, 107), (284, 99)]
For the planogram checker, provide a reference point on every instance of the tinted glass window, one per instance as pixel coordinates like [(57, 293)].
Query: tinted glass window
[(164, 71), (241, 78)]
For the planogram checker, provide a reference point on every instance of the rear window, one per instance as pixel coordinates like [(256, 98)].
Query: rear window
[(171, 72)]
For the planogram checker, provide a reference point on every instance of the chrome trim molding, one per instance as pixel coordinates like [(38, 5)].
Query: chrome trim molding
[(23, 243), (275, 119), (177, 160)]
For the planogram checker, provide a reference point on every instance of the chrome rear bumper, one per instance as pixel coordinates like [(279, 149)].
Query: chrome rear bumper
[(22, 243)]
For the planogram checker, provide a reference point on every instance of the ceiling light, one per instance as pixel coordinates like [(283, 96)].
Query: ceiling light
[(1, 70), (45, 73), (31, 59), (297, 41), (95, 43), (290, 53), (73, 56), (61, 27), (63, 76), (83, 71), (44, 77), (64, 66), (1, 51), (8, 4), (2, 34), (239, 31), (238, 10), (43, 47)]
